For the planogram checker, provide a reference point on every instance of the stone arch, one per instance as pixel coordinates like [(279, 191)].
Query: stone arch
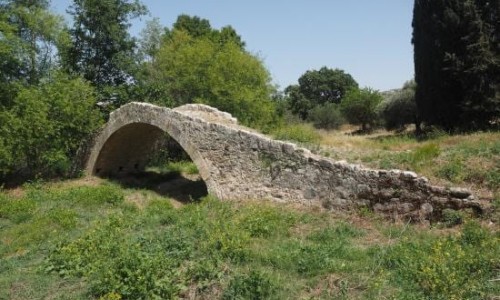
[(124, 143), (238, 163)]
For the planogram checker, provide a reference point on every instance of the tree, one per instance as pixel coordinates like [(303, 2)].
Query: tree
[(188, 69), (29, 34), (299, 104), (457, 62), (318, 87), (399, 109), (101, 48), (45, 126), (359, 107), (151, 37), (197, 27)]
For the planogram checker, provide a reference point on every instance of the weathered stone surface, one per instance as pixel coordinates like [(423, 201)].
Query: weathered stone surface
[(459, 192), (237, 163)]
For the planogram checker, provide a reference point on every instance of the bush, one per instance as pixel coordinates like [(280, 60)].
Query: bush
[(327, 116), (452, 217), (399, 109), (45, 127), (359, 107)]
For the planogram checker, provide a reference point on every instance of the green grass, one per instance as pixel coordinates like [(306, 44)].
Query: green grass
[(177, 167), (69, 241), (472, 159)]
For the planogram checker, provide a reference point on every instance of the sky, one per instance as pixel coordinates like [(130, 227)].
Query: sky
[(371, 40)]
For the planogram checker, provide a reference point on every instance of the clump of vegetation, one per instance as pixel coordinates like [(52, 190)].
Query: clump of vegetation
[(327, 116), (452, 217), (44, 127), (317, 88), (453, 267), (400, 108), (179, 167), (360, 107), (254, 285), (301, 133)]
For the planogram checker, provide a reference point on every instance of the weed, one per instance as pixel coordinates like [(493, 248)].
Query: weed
[(265, 221), (253, 285), (112, 262), (419, 157), (453, 267), (452, 217), (453, 170)]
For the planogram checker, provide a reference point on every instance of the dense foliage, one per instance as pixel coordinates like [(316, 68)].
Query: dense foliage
[(57, 82), (44, 113), (318, 87), (399, 109), (198, 64), (360, 107), (457, 62), (42, 130), (327, 116), (101, 48)]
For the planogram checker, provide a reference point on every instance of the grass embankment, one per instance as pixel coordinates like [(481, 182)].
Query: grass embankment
[(81, 239), (470, 160)]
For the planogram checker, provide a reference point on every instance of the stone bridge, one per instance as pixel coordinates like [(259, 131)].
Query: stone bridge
[(238, 163)]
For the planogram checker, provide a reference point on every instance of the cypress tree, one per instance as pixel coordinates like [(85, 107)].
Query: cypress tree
[(457, 63)]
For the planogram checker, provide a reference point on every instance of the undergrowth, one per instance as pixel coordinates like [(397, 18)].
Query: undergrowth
[(299, 133), (80, 242)]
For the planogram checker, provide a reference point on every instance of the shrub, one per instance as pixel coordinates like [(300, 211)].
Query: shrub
[(359, 107), (452, 217), (45, 127), (399, 109), (327, 116)]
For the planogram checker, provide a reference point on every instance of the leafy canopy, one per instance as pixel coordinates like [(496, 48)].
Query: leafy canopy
[(46, 125), (360, 107), (102, 49), (318, 87), (198, 68)]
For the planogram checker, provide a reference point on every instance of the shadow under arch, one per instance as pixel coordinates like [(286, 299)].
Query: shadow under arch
[(123, 147)]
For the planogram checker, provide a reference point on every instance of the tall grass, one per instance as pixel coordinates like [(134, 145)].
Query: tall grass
[(300, 133)]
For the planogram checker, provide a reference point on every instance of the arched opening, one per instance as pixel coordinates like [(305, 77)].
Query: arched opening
[(140, 155)]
